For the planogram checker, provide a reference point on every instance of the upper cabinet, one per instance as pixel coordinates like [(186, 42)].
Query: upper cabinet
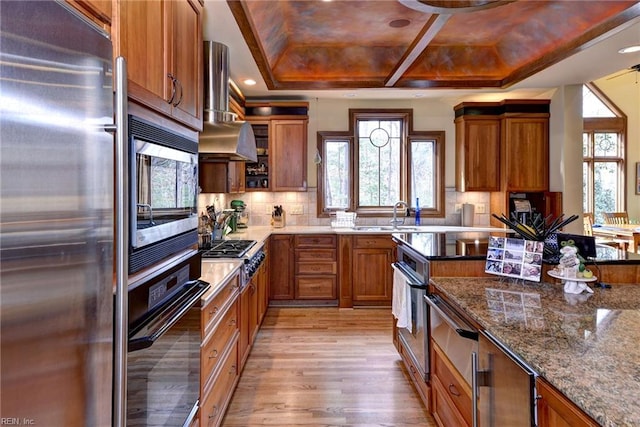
[(502, 146), (477, 151), (99, 11), (281, 138), (162, 43)]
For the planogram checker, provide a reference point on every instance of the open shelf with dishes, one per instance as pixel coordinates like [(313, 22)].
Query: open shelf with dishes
[(257, 173)]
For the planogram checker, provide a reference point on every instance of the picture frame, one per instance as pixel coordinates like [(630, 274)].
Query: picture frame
[(514, 257), (637, 177)]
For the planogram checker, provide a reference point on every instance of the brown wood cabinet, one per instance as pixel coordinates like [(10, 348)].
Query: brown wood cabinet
[(525, 152), (162, 43), (303, 267), (215, 176), (248, 321), (371, 273), (220, 331), (555, 410), (422, 387), (280, 128), (477, 151), (451, 395), (99, 11), (315, 260), (288, 155), (281, 267)]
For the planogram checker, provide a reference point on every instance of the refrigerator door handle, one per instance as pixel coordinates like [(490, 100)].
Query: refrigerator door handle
[(121, 246)]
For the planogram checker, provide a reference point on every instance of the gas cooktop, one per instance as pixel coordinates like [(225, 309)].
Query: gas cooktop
[(228, 248)]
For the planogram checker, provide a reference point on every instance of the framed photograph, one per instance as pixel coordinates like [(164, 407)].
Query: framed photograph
[(517, 258), (638, 178)]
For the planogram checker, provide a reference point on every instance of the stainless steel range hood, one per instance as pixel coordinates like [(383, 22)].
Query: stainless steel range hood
[(222, 137)]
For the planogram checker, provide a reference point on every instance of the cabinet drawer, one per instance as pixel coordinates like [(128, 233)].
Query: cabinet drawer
[(213, 309), (218, 341), (444, 410), (316, 255), (457, 391), (215, 400), (310, 287), (315, 240), (373, 241), (316, 268)]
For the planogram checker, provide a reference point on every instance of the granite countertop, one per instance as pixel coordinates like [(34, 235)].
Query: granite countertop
[(586, 345)]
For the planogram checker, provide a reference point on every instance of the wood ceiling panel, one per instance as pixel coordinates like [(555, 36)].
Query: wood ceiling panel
[(349, 43)]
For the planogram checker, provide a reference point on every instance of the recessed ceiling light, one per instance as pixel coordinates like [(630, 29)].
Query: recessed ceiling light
[(349, 95), (399, 23), (249, 82), (630, 49), (418, 95)]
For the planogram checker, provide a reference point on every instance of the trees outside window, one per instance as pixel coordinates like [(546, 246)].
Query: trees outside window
[(380, 161)]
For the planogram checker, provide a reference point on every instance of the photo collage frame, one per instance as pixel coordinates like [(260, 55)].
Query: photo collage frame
[(517, 258)]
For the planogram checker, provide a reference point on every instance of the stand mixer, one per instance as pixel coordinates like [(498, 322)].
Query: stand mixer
[(242, 216)]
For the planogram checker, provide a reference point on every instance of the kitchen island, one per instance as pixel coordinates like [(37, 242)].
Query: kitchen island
[(585, 345)]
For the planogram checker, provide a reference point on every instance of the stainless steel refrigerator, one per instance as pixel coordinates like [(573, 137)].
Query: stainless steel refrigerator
[(58, 182)]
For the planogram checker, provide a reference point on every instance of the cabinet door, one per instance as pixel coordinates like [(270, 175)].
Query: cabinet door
[(526, 154), (141, 38), (555, 410), (477, 154), (288, 155), (281, 267), (372, 276), (185, 39)]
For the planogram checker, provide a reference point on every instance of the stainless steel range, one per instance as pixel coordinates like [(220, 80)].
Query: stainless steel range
[(250, 251)]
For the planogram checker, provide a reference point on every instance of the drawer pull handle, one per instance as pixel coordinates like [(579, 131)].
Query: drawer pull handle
[(214, 354), (453, 390), (213, 311), (232, 322), (232, 371), (214, 411)]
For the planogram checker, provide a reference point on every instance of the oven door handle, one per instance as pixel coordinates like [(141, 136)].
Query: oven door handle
[(452, 319), (409, 276), (162, 321)]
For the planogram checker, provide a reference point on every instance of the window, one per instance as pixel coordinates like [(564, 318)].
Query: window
[(380, 161), (603, 151)]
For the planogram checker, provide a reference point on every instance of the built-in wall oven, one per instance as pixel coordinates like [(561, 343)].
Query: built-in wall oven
[(163, 204), (163, 361)]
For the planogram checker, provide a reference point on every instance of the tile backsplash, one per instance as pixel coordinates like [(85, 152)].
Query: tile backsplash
[(300, 207)]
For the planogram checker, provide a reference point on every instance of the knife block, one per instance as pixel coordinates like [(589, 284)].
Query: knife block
[(278, 221)]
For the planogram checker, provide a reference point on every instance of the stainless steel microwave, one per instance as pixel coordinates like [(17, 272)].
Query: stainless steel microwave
[(163, 193)]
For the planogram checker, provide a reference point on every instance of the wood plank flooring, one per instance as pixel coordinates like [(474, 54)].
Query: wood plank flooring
[(325, 367)]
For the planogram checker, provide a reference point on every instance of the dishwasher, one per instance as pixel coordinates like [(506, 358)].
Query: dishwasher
[(502, 386)]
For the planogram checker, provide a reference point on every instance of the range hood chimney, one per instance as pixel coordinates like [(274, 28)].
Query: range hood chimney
[(222, 137)]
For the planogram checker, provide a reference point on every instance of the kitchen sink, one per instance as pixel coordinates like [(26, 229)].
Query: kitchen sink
[(399, 228)]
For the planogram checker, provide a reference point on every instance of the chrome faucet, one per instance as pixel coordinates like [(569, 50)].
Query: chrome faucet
[(395, 221)]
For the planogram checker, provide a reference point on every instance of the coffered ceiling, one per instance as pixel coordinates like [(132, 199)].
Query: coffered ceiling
[(314, 45)]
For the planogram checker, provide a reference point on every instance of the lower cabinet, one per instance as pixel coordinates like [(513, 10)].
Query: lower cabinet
[(450, 394), (371, 273), (219, 371), (555, 410), (422, 387), (304, 267), (248, 320)]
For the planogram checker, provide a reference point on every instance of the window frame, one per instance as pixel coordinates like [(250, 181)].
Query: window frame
[(617, 125), (407, 137)]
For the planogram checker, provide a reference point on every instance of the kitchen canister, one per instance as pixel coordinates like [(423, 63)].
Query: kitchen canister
[(468, 210)]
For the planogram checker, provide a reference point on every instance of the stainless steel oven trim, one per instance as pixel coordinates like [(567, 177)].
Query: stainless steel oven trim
[(458, 324), (412, 280), (173, 312)]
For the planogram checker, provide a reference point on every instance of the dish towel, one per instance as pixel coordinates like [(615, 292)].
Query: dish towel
[(401, 300)]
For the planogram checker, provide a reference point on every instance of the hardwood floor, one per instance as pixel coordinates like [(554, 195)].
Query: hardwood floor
[(325, 367)]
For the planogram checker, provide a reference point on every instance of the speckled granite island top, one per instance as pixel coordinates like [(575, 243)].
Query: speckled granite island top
[(587, 346)]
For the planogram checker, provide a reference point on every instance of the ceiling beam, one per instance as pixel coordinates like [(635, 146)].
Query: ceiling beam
[(428, 32)]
